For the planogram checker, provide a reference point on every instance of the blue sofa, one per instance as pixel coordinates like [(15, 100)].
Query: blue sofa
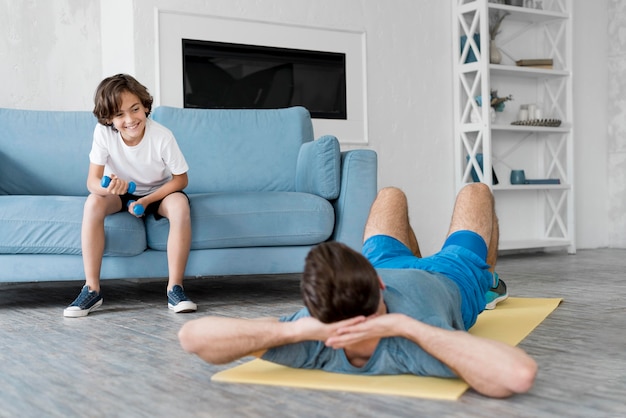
[(262, 193)]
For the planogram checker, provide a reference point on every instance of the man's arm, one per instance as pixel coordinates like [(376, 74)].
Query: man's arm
[(220, 340), (490, 367)]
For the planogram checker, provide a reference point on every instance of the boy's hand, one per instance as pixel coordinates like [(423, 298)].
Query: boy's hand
[(117, 185)]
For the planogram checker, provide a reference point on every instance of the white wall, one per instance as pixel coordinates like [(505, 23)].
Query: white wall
[(616, 114), (56, 57), (49, 53)]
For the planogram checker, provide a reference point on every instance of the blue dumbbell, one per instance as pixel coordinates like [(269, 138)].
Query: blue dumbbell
[(106, 180), (138, 209)]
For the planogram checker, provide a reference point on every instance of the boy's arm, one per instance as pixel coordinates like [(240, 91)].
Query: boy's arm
[(220, 340), (177, 183), (490, 367), (94, 177)]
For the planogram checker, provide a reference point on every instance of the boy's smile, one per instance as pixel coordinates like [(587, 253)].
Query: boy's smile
[(130, 121)]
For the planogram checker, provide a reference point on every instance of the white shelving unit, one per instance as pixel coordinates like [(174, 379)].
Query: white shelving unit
[(532, 216)]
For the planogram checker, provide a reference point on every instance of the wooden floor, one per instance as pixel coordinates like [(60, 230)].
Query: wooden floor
[(125, 361)]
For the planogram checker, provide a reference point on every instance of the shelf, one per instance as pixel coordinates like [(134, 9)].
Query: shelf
[(516, 71), (564, 128), (530, 72), (529, 244), (546, 151), (475, 127), (527, 14), (530, 187)]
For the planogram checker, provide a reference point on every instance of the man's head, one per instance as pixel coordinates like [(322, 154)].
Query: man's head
[(339, 283)]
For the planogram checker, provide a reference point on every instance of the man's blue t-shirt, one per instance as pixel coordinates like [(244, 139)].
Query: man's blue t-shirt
[(428, 297)]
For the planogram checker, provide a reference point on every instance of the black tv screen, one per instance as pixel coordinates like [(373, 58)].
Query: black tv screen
[(219, 75)]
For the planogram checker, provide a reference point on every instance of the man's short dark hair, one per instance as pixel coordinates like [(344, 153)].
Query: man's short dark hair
[(339, 283), (108, 96)]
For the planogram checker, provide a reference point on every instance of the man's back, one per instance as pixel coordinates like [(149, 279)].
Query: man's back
[(427, 297)]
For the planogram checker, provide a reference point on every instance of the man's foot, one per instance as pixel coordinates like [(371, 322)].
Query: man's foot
[(179, 302), (497, 293), (87, 301)]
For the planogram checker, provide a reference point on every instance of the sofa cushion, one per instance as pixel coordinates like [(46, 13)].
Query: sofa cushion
[(251, 219), (319, 168), (45, 152), (52, 225), (245, 150)]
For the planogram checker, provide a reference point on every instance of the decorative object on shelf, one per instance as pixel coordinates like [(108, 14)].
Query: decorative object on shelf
[(495, 20), (543, 181), (529, 112), (497, 103), (471, 56), (517, 3), (518, 177), (522, 115), (495, 56), (479, 160), (551, 123), (546, 63)]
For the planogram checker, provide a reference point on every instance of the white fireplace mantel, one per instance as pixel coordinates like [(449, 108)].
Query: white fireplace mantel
[(173, 26)]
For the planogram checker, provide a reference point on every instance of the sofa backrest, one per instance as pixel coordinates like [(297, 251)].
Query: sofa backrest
[(239, 150), (45, 152)]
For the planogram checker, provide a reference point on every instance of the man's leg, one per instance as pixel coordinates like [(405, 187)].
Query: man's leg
[(389, 215), (474, 210)]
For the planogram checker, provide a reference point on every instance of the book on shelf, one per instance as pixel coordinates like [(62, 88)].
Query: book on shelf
[(536, 63)]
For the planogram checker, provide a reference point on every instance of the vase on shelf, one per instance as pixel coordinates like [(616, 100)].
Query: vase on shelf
[(495, 56)]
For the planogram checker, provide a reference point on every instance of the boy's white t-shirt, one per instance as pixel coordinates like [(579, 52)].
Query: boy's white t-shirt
[(149, 164)]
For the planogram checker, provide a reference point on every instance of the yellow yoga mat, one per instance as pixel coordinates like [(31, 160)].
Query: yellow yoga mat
[(510, 323)]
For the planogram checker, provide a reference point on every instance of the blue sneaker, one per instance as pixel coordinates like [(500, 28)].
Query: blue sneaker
[(87, 301), (497, 293), (179, 302)]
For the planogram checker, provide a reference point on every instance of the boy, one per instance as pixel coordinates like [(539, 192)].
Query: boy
[(127, 146)]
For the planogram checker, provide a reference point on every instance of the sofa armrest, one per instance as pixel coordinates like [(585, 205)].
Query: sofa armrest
[(359, 185), (319, 168)]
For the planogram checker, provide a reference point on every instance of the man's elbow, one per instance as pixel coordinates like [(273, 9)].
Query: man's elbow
[(521, 380), (187, 339), (525, 376)]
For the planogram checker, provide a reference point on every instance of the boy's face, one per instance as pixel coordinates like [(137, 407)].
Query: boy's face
[(130, 121)]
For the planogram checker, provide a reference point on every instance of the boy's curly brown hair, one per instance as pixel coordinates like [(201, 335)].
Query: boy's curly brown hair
[(108, 96)]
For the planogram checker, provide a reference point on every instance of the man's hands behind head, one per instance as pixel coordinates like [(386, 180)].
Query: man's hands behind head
[(375, 326)]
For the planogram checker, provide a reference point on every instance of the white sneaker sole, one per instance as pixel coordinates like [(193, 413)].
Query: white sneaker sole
[(492, 305), (183, 307), (76, 312)]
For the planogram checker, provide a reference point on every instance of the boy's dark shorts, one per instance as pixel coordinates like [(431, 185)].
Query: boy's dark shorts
[(153, 208)]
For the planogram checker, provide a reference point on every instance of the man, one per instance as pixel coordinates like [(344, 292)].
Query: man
[(413, 321)]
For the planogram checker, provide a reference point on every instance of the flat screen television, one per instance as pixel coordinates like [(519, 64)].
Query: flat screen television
[(219, 75)]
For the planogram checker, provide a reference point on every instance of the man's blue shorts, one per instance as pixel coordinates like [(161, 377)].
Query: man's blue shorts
[(462, 259)]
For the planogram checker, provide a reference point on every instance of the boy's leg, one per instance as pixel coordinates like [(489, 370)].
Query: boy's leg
[(92, 244), (92, 234), (389, 215), (175, 207), (474, 210)]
